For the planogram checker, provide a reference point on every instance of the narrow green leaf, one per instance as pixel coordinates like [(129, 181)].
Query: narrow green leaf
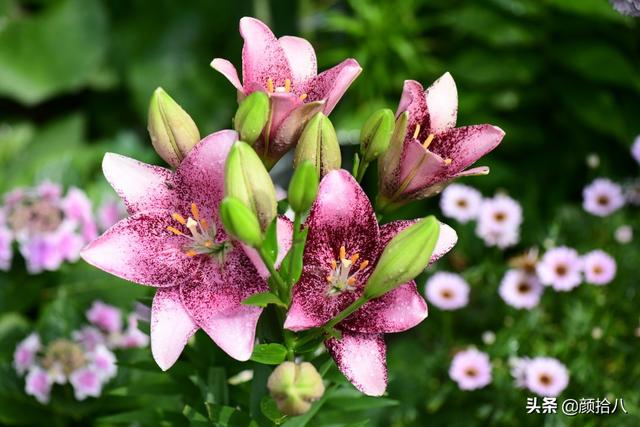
[(270, 243)]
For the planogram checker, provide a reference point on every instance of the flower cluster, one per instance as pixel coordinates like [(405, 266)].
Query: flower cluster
[(49, 228), (498, 218), (545, 376), (86, 361)]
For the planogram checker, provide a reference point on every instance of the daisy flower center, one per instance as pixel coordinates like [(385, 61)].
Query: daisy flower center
[(471, 372), (603, 200), (340, 279), (597, 269), (446, 294), (500, 216), (200, 235), (524, 287), (561, 269), (545, 379)]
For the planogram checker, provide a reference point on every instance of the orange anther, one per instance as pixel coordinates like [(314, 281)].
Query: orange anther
[(343, 253), (195, 212), (363, 265), (191, 253), (178, 218), (354, 258), (204, 224), (270, 87), (175, 231), (287, 85), (334, 264)]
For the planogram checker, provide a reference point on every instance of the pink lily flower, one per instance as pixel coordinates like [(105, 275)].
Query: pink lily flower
[(434, 152), (286, 69), (174, 241), (342, 249)]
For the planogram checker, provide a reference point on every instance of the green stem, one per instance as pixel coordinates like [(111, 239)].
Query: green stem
[(333, 322), (362, 168), (272, 270)]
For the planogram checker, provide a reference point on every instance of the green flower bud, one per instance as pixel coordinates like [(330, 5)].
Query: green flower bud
[(376, 134), (246, 179), (173, 133), (318, 143), (295, 387), (404, 257), (303, 187), (240, 222), (252, 116)]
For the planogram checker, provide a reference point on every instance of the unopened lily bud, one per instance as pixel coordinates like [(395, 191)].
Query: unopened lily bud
[(246, 179), (173, 132), (295, 387), (303, 187), (318, 143), (376, 134), (240, 222), (405, 256), (252, 116)]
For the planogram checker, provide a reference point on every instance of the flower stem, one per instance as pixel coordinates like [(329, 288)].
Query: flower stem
[(269, 263), (362, 168)]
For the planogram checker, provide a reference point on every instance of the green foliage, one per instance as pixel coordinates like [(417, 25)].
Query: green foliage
[(561, 77)]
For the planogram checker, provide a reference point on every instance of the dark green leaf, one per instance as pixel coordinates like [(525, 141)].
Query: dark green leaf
[(269, 354), (263, 299)]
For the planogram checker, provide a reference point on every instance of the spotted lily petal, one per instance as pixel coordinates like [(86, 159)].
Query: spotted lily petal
[(414, 101), (302, 59), (171, 327), (141, 186), (362, 359), (214, 301), (140, 249), (262, 55), (331, 84)]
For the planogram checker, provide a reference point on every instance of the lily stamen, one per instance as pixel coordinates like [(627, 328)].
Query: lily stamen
[(270, 86), (428, 141), (341, 279), (287, 85), (416, 132)]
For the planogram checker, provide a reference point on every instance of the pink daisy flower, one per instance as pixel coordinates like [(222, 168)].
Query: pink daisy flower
[(471, 369), (635, 149), (602, 197), (546, 376), (460, 202), (623, 234), (447, 291), (520, 290), (499, 221), (560, 268), (599, 267)]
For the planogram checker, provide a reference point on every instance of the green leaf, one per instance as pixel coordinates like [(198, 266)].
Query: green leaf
[(54, 52), (263, 299), (270, 410), (269, 354), (226, 416), (292, 270)]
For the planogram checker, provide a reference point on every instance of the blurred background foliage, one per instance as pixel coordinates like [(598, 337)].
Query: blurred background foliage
[(561, 77)]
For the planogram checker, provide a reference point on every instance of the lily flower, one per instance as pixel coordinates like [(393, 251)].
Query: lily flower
[(173, 240), (286, 69), (343, 246), (432, 152)]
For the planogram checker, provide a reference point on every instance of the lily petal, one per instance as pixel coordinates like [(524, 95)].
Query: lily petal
[(442, 104), (214, 301), (341, 216), (362, 359), (171, 327), (396, 311), (414, 101), (447, 238), (480, 170), (200, 177), (228, 70), (262, 56), (421, 167), (331, 84), (467, 144), (140, 186), (302, 59), (140, 249)]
